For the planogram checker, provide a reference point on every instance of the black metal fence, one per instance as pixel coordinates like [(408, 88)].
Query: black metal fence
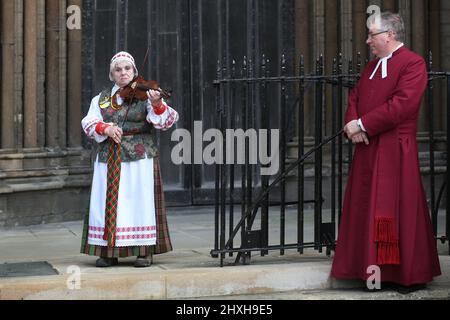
[(307, 109)]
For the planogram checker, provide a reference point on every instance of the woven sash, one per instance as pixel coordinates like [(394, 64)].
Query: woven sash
[(112, 192)]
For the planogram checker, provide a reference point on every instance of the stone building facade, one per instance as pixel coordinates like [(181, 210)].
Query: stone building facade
[(45, 170)]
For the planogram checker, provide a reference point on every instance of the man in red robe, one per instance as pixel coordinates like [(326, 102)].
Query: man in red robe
[(385, 220)]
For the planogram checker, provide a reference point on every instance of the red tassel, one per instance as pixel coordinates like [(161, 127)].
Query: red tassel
[(388, 251), (384, 230)]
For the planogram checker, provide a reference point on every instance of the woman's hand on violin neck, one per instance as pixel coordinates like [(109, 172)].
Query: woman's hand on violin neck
[(115, 133), (154, 96)]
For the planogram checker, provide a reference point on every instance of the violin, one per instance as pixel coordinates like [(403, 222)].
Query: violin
[(138, 87)]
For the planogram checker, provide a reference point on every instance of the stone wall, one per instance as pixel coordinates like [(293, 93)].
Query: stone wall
[(445, 44), (44, 171), (445, 34)]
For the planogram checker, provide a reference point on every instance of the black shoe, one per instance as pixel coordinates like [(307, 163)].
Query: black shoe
[(106, 262), (143, 262), (384, 286), (409, 289), (366, 289)]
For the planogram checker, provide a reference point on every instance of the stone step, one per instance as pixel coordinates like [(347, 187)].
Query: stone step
[(40, 173), (17, 174), (40, 159), (43, 179), (168, 279)]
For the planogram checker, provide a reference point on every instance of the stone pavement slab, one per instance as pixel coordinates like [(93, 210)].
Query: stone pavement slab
[(188, 272)]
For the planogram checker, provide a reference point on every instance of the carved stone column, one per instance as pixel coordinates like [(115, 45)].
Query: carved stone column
[(359, 28), (434, 33), (31, 81), (332, 44), (7, 87), (445, 49), (74, 108), (390, 5), (404, 9), (41, 179), (346, 28)]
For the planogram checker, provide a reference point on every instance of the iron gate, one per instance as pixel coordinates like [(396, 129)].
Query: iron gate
[(239, 187)]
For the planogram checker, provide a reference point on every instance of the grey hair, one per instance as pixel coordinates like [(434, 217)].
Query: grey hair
[(391, 21)]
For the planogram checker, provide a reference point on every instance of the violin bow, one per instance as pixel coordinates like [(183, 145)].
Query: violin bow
[(145, 58)]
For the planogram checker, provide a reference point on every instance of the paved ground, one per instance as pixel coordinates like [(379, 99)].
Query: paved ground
[(188, 272)]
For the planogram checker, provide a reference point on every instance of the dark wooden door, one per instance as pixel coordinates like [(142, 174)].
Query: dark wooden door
[(186, 39)]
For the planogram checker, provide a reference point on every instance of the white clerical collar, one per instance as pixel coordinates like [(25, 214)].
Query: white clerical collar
[(383, 63)]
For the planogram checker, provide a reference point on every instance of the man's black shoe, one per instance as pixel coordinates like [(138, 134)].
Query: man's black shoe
[(409, 289)]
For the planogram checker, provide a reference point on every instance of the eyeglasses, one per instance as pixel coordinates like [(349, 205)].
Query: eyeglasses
[(371, 35)]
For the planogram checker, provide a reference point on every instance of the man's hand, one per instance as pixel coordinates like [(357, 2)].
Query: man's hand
[(360, 137), (352, 128)]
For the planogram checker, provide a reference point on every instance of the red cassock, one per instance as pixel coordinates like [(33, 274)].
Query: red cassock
[(385, 219)]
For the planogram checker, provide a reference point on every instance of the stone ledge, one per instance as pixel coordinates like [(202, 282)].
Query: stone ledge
[(172, 284), (185, 283), (42, 153), (38, 180), (40, 159)]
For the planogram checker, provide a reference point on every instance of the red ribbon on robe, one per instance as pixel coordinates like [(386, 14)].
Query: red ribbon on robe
[(386, 233)]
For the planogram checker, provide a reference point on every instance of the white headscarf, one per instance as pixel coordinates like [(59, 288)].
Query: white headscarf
[(120, 57)]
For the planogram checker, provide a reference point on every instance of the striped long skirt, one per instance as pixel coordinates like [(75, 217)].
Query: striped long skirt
[(163, 243)]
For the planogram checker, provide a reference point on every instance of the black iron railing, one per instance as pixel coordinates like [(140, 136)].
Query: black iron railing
[(256, 100)]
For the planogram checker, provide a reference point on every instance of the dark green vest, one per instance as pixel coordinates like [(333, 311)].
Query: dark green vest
[(138, 133)]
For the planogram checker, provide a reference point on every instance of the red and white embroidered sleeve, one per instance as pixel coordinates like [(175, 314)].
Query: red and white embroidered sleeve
[(101, 127), (159, 108), (91, 120), (172, 117), (89, 126)]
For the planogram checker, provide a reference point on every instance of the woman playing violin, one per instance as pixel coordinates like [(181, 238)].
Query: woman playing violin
[(126, 216)]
